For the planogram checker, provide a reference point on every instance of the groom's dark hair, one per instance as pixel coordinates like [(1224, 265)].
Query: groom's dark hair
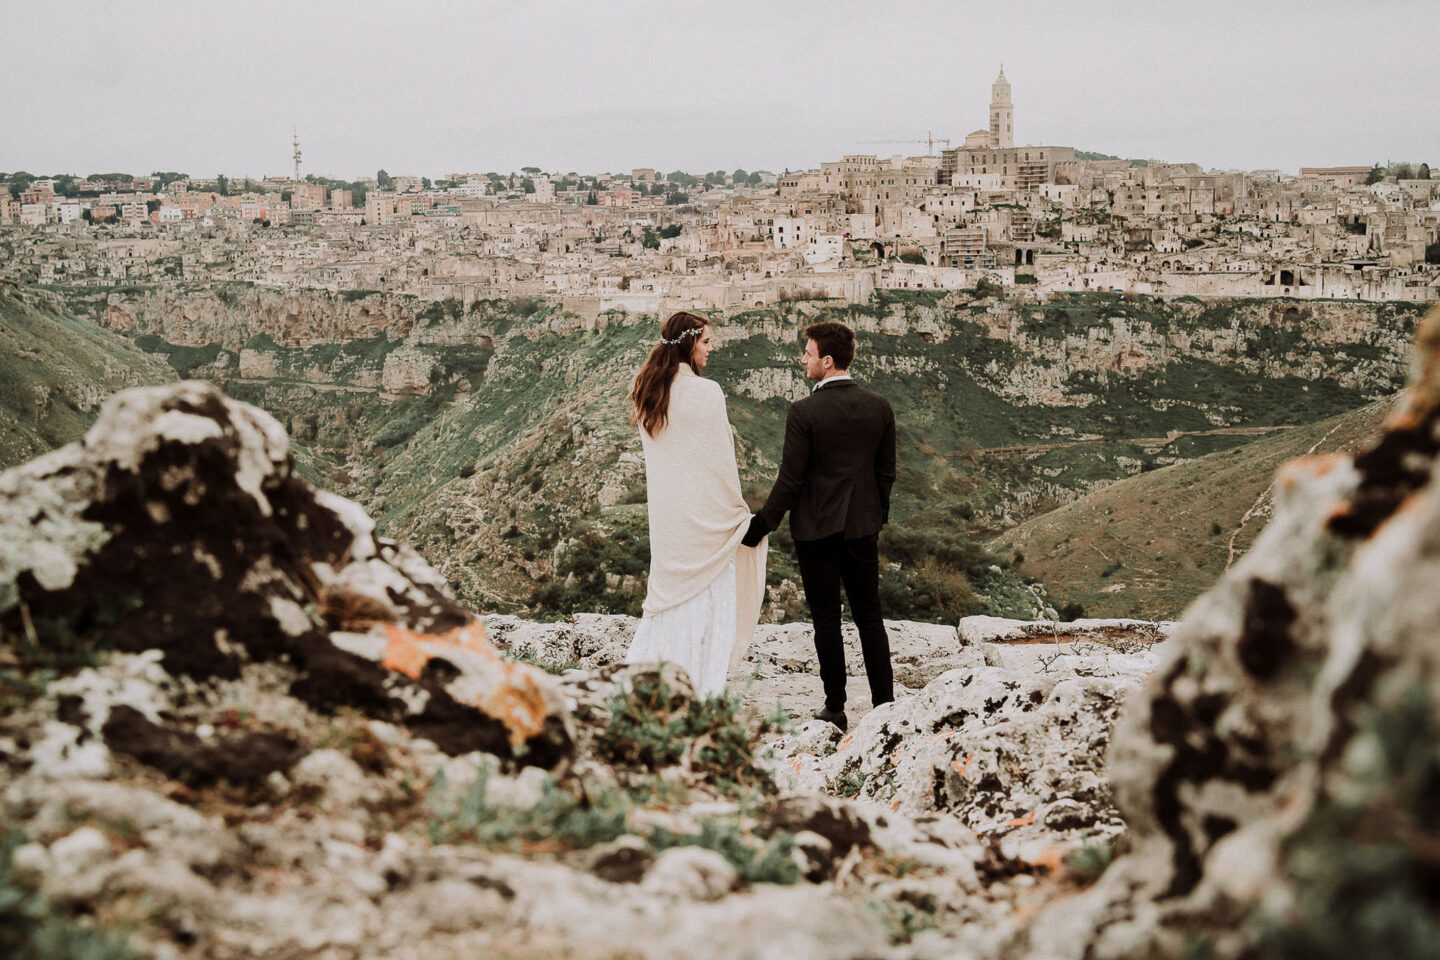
[(833, 340)]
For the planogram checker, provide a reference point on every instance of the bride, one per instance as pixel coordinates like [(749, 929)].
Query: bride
[(705, 588)]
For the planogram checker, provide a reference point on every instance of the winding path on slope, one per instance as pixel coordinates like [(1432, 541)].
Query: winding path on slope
[(1170, 437)]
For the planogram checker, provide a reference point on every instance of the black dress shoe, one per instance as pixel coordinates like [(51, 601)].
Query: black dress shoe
[(836, 717)]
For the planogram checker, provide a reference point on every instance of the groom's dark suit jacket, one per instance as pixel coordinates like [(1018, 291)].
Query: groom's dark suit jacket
[(838, 465)]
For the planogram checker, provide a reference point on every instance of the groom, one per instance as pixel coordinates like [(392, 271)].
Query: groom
[(835, 477)]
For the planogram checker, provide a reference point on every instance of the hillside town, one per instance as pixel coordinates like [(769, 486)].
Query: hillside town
[(985, 211)]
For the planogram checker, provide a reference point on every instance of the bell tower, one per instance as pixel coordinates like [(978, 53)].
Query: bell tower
[(1002, 113)]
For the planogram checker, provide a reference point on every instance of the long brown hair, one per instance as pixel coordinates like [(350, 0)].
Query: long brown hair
[(650, 395)]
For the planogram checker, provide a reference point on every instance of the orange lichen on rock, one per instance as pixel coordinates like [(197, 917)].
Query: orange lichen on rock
[(1024, 821), (518, 702), (403, 653), (406, 654), (960, 766), (516, 699)]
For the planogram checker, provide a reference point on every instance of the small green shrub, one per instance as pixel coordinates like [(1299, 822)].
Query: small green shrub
[(652, 726), (774, 863), (1088, 862), (850, 784), (903, 920), (558, 818), (535, 660)]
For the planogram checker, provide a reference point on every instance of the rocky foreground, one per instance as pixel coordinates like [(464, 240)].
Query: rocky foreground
[(238, 724)]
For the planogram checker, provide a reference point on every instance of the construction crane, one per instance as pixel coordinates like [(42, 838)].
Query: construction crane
[(929, 140)]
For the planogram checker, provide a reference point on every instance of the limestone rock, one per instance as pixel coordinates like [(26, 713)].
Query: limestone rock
[(407, 370), (1295, 714), (178, 525), (690, 873)]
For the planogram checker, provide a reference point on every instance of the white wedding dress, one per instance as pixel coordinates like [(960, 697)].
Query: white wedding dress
[(698, 635), (703, 598)]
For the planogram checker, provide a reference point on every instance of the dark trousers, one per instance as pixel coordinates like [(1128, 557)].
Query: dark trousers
[(825, 566)]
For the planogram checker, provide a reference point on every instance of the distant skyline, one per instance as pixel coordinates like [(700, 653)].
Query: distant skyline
[(429, 88)]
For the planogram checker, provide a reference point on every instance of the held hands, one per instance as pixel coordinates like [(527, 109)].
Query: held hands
[(758, 529)]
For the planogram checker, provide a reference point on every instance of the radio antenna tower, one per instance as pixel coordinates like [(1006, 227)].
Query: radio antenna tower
[(297, 155)]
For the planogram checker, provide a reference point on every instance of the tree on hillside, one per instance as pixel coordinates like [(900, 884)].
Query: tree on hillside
[(527, 185), (1403, 171), (739, 176), (425, 182), (1423, 173), (676, 197), (1376, 174), (988, 286), (592, 199), (383, 180), (19, 182), (160, 179), (222, 184), (530, 170)]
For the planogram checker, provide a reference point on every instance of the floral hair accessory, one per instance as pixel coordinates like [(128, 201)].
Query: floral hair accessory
[(692, 332)]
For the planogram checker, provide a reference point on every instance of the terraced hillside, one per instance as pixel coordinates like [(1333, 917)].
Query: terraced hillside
[(55, 370), (497, 431), (1147, 546)]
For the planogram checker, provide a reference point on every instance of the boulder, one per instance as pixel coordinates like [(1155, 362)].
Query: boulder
[(1278, 774), (179, 527)]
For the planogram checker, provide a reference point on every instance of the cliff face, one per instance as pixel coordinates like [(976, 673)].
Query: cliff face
[(237, 312)]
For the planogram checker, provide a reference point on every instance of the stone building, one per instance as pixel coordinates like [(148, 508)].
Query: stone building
[(1339, 176), (1002, 114), (989, 160)]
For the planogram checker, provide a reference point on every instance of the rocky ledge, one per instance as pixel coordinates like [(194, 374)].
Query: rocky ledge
[(236, 723)]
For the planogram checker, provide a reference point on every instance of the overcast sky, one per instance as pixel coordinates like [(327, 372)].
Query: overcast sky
[(430, 88)]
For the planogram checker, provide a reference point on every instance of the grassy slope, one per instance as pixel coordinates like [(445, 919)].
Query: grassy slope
[(53, 369), (1147, 546)]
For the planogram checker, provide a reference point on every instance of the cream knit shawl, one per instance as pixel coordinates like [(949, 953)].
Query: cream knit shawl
[(697, 515)]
